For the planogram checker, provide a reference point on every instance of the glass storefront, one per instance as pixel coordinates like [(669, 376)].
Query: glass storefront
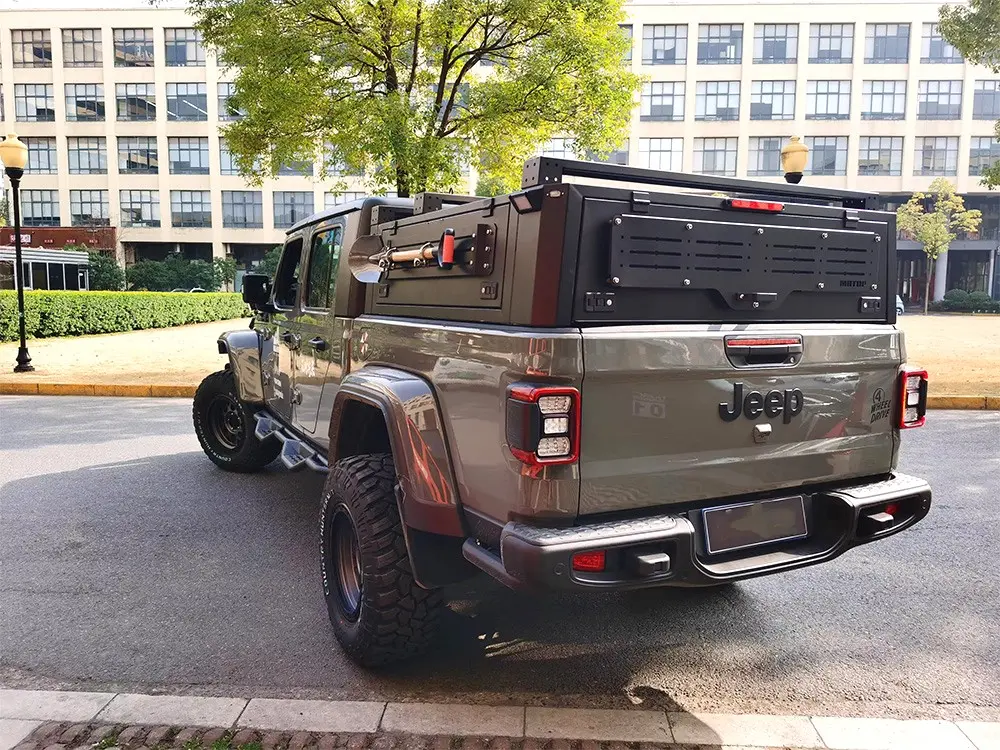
[(46, 269), (969, 270)]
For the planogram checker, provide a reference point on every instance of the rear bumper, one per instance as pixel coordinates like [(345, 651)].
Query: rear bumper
[(535, 558)]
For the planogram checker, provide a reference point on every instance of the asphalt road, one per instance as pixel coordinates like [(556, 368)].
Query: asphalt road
[(129, 562)]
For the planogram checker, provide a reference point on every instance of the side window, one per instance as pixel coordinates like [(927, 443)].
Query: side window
[(324, 259), (286, 278)]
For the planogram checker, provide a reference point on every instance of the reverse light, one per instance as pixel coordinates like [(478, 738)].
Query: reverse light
[(589, 562), (912, 398), (750, 205), (543, 424)]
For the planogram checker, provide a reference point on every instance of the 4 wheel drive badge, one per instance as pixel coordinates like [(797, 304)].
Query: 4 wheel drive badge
[(787, 403)]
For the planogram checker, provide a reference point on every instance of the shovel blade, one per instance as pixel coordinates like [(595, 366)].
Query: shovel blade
[(359, 259)]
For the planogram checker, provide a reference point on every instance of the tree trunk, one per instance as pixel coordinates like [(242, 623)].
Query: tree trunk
[(927, 284)]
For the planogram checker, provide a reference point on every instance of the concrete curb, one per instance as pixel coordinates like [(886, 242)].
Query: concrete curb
[(21, 712), (15, 388), (9, 388)]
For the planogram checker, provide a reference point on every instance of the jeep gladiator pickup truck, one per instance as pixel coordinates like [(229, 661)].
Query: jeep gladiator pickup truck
[(613, 378)]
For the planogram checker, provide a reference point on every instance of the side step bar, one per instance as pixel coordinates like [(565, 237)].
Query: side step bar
[(295, 453)]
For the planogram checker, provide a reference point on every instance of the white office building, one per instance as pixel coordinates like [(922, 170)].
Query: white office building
[(122, 114)]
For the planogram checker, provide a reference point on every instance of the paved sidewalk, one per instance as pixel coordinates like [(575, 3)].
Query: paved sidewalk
[(53, 720)]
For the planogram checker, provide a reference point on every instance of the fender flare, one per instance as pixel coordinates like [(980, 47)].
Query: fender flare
[(426, 488), (243, 348)]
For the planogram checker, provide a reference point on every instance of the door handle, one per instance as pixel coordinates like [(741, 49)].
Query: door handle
[(318, 344)]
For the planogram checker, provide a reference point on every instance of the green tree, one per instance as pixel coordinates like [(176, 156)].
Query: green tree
[(397, 87), (974, 30), (269, 264), (104, 272), (223, 273), (172, 273), (937, 227), (4, 209)]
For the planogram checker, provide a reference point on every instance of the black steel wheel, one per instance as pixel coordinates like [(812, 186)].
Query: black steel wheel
[(379, 613), (225, 426)]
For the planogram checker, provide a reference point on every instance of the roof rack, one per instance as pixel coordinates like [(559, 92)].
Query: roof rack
[(543, 170)]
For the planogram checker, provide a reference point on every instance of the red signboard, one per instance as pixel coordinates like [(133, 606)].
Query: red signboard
[(57, 238)]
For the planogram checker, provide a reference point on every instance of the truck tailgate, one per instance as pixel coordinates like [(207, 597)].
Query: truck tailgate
[(661, 424)]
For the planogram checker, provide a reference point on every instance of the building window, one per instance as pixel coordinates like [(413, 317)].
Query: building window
[(664, 45), (138, 155), (985, 153), (717, 100), (720, 44), (715, 156), (986, 100), (939, 100), (88, 155), (184, 48), (936, 156), (887, 43), (135, 101), (34, 102), (339, 199), (559, 148), (666, 154), (772, 100), (32, 48), (881, 156), (190, 208), (775, 42), (227, 105), (140, 208), (627, 34), (40, 208), (935, 49), (827, 155), (831, 42), (883, 100), (828, 100), (188, 155), (82, 48), (291, 206), (296, 169), (41, 155), (133, 48), (765, 156), (242, 209), (187, 101), (84, 102), (662, 101), (619, 156), (227, 165), (89, 208)]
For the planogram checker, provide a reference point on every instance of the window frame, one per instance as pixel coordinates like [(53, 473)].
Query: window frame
[(676, 149), (930, 35), (710, 40), (755, 156), (656, 56), (174, 41), (979, 89), (761, 37), (952, 99), (704, 95), (992, 151), (285, 205), (869, 95), (152, 153), (818, 39), (124, 44), (28, 202), (813, 96), (123, 97), (39, 39), (73, 44), (153, 203), (872, 39), (97, 97), (22, 99), (256, 204), (895, 149), (734, 152), (339, 230), (179, 146), (648, 96), (203, 201), (760, 97), (201, 89), (99, 147), (103, 202), (37, 156), (950, 155), (841, 150)]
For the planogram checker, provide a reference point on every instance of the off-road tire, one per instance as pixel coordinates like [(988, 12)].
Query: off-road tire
[(232, 447), (394, 618)]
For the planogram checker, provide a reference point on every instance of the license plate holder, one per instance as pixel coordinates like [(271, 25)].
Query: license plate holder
[(744, 525)]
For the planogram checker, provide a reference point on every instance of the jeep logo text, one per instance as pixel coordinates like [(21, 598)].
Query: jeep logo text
[(755, 403)]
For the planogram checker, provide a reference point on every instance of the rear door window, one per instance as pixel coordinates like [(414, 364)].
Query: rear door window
[(324, 260)]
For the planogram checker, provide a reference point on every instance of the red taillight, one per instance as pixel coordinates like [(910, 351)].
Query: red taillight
[(589, 562), (892, 509), (749, 205), (543, 424), (912, 398)]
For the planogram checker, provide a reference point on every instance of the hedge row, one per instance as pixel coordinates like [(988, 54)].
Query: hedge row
[(959, 300), (78, 313)]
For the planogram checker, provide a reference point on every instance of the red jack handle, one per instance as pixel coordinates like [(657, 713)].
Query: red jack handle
[(446, 254)]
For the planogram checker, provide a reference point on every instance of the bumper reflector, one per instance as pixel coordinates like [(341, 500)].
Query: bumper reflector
[(589, 562)]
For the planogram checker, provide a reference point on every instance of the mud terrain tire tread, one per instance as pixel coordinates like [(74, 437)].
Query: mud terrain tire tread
[(253, 455), (397, 618)]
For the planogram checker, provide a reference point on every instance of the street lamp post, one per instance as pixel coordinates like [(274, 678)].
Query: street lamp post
[(793, 160), (14, 155)]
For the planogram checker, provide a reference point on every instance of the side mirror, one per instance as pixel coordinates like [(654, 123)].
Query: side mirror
[(257, 290)]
